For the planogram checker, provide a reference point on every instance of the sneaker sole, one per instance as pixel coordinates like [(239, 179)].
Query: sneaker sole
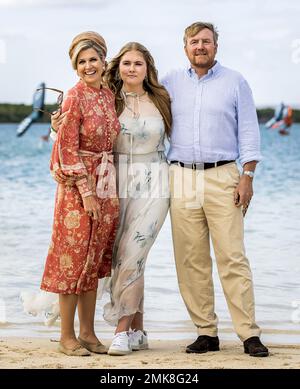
[(119, 352), (140, 347)]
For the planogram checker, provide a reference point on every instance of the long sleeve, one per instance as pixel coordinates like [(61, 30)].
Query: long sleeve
[(66, 163), (248, 129)]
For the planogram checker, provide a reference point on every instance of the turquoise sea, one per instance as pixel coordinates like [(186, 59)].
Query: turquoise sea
[(272, 231)]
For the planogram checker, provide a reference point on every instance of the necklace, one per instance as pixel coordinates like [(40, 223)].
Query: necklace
[(133, 94)]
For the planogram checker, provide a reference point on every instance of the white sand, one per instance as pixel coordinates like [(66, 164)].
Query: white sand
[(42, 353)]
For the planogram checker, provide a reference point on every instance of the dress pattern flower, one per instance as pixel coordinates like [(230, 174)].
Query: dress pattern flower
[(80, 250)]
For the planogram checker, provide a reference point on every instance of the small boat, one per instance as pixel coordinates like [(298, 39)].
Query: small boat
[(282, 120), (37, 105)]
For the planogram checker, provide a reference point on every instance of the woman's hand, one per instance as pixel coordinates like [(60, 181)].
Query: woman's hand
[(57, 119), (62, 179), (91, 206)]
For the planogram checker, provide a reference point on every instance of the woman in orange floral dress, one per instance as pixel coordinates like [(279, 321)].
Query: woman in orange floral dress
[(86, 207)]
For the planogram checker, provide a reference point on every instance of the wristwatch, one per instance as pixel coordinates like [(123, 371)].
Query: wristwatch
[(249, 173)]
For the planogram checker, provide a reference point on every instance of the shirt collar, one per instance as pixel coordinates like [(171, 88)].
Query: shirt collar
[(211, 72)]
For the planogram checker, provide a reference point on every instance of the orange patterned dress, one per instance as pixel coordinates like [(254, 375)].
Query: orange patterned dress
[(80, 251)]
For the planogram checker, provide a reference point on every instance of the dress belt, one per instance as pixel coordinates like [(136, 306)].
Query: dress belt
[(106, 159), (201, 165)]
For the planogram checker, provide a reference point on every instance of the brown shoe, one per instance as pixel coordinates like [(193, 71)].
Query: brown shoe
[(203, 344), (77, 351), (97, 348), (255, 348)]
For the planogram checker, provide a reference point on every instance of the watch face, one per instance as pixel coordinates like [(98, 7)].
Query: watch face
[(249, 173)]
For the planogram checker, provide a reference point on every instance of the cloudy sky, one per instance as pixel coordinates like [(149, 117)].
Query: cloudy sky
[(261, 39)]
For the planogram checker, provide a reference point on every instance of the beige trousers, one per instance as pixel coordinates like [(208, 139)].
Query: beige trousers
[(202, 206)]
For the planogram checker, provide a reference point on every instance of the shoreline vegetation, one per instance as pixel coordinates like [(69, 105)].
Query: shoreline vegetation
[(15, 113)]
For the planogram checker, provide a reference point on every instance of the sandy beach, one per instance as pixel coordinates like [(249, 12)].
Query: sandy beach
[(42, 353)]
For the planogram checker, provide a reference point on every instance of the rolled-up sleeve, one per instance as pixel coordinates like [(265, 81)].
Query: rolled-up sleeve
[(248, 128)]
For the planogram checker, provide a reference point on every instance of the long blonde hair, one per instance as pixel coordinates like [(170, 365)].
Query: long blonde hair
[(156, 92)]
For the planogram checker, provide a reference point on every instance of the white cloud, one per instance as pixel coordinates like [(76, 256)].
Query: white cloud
[(52, 3), (279, 34), (255, 39), (250, 55)]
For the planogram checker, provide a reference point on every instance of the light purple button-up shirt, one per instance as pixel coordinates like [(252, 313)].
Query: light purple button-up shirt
[(214, 117)]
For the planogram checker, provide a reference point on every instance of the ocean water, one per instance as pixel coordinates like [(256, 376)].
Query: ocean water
[(272, 236)]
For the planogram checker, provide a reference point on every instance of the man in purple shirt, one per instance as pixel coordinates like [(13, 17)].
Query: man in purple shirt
[(214, 124)]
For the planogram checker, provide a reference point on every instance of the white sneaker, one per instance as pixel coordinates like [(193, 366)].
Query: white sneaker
[(120, 344), (138, 340)]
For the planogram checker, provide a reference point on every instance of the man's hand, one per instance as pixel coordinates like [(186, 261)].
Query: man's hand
[(243, 192)]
